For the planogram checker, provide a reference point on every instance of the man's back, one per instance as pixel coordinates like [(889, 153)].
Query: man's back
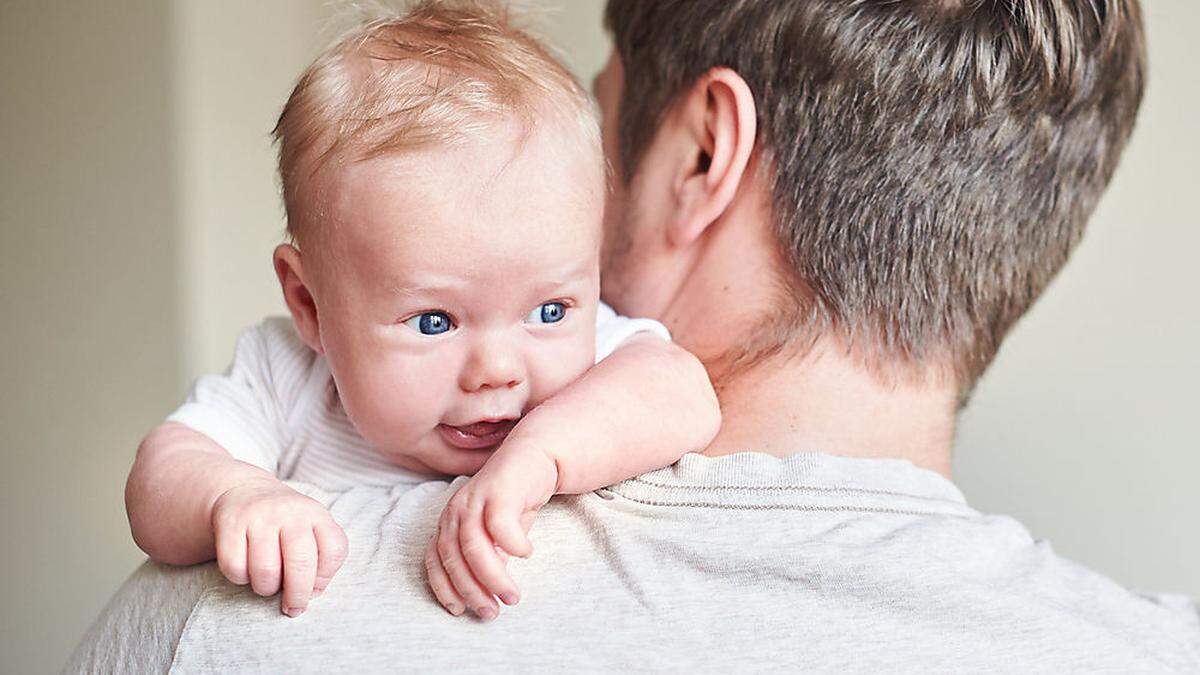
[(744, 561)]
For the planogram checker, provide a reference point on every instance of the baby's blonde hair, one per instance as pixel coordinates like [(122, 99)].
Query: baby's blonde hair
[(444, 71)]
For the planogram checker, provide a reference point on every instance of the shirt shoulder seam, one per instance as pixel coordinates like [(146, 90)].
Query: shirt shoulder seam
[(784, 507), (792, 488)]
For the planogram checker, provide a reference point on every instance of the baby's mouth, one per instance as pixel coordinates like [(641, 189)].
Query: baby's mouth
[(477, 436)]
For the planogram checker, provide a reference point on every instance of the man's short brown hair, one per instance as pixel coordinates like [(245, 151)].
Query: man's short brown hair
[(932, 162)]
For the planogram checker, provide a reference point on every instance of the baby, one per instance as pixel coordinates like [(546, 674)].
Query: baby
[(444, 186)]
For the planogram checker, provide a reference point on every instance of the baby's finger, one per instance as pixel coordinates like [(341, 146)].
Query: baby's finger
[(504, 526), (480, 601), (440, 583), (480, 553), (299, 548), (332, 548), (527, 521), (264, 560), (231, 554)]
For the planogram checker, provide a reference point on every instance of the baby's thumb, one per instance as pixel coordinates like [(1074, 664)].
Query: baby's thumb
[(504, 525)]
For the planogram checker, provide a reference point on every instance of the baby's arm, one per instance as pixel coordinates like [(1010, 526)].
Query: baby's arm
[(189, 501), (642, 408), (203, 484), (176, 478)]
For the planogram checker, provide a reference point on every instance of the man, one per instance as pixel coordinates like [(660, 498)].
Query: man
[(841, 207)]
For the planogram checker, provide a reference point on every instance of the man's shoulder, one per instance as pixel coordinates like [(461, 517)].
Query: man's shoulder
[(741, 571), (140, 627), (989, 573), (191, 617)]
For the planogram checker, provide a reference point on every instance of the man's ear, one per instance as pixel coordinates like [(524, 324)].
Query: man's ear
[(721, 124), (296, 294)]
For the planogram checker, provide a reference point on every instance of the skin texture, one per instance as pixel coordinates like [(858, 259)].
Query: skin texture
[(689, 242), (581, 439), (189, 501), (484, 234)]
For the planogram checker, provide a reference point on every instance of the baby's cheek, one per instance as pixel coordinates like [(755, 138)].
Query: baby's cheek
[(560, 367), (395, 402)]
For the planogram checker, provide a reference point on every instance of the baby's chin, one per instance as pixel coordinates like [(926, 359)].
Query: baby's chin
[(464, 462), (441, 460)]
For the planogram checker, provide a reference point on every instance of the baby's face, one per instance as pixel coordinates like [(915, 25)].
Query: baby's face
[(457, 289)]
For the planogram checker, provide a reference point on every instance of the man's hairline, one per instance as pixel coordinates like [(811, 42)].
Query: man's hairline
[(806, 325)]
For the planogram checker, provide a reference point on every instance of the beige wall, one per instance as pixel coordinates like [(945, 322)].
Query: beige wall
[(237, 62), (89, 319), (137, 215), (138, 211)]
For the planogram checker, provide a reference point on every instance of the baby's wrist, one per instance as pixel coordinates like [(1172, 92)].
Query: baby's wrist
[(232, 490), (535, 461)]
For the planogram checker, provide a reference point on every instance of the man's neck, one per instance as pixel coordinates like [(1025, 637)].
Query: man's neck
[(826, 402), (821, 399)]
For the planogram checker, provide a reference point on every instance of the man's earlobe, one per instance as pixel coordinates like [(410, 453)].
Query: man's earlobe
[(722, 124), (296, 293)]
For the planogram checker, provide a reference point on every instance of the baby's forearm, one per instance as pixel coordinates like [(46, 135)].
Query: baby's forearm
[(642, 408), (177, 476)]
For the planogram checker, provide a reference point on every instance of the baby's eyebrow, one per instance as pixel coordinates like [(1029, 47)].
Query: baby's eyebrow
[(417, 289), (547, 286)]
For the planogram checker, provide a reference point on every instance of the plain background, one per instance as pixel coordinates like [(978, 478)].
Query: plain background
[(138, 211)]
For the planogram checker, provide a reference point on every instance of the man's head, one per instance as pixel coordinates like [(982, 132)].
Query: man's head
[(929, 165), (444, 182)]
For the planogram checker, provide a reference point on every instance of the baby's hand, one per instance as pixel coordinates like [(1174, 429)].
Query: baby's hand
[(269, 535), (484, 522)]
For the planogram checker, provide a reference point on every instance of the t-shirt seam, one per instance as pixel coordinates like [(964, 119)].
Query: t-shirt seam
[(785, 507), (793, 488)]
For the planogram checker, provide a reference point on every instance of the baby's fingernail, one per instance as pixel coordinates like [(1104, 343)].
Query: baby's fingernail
[(486, 613), (509, 598), (293, 611), (454, 609)]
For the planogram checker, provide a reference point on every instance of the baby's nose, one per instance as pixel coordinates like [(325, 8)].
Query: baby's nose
[(493, 365)]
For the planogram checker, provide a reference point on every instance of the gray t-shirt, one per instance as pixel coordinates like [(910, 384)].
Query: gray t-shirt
[(743, 562)]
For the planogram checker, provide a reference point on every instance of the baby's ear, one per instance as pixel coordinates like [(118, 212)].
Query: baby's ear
[(296, 293)]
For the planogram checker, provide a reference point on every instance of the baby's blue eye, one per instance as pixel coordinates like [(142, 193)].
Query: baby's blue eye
[(551, 312), (430, 323)]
